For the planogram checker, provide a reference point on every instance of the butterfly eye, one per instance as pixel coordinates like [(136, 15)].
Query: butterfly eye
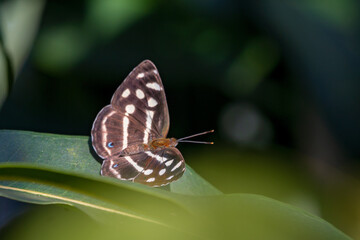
[(110, 144)]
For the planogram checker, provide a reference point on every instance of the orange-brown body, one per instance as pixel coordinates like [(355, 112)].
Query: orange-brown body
[(158, 143), (162, 143)]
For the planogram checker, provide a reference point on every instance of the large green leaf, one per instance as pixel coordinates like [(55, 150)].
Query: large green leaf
[(75, 153), (55, 169), (95, 195)]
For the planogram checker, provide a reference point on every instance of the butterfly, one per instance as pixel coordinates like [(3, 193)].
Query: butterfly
[(130, 132)]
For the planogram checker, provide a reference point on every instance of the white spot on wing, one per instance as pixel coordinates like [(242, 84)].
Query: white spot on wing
[(140, 94), (125, 132), (155, 71), (157, 157), (152, 102), (176, 166), (130, 108), (134, 164), (125, 93), (170, 177), (168, 163), (148, 171), (140, 75), (150, 180), (162, 171), (149, 117), (154, 85)]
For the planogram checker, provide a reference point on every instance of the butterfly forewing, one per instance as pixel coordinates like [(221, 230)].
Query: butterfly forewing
[(144, 90), (137, 114)]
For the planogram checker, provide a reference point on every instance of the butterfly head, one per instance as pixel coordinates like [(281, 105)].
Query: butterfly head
[(173, 142)]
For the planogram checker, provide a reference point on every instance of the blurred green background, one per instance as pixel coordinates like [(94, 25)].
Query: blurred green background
[(277, 80)]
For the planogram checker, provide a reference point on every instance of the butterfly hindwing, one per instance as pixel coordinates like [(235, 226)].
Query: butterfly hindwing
[(125, 167), (153, 168), (166, 165)]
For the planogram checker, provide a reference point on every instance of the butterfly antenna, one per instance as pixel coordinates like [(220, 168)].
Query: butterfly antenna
[(198, 142), (198, 134)]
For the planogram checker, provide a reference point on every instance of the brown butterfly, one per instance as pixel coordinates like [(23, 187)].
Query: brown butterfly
[(130, 133)]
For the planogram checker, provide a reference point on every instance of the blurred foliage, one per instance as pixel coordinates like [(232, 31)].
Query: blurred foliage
[(61, 48), (278, 80), (19, 20)]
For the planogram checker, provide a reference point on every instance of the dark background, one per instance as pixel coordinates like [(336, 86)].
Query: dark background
[(277, 80)]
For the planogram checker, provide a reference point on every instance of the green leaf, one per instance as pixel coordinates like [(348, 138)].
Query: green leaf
[(95, 195), (110, 201), (193, 184), (75, 153), (49, 222), (19, 20), (247, 216), (54, 169)]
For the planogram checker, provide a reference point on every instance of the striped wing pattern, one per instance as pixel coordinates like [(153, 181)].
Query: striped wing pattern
[(110, 134), (153, 168), (138, 113)]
